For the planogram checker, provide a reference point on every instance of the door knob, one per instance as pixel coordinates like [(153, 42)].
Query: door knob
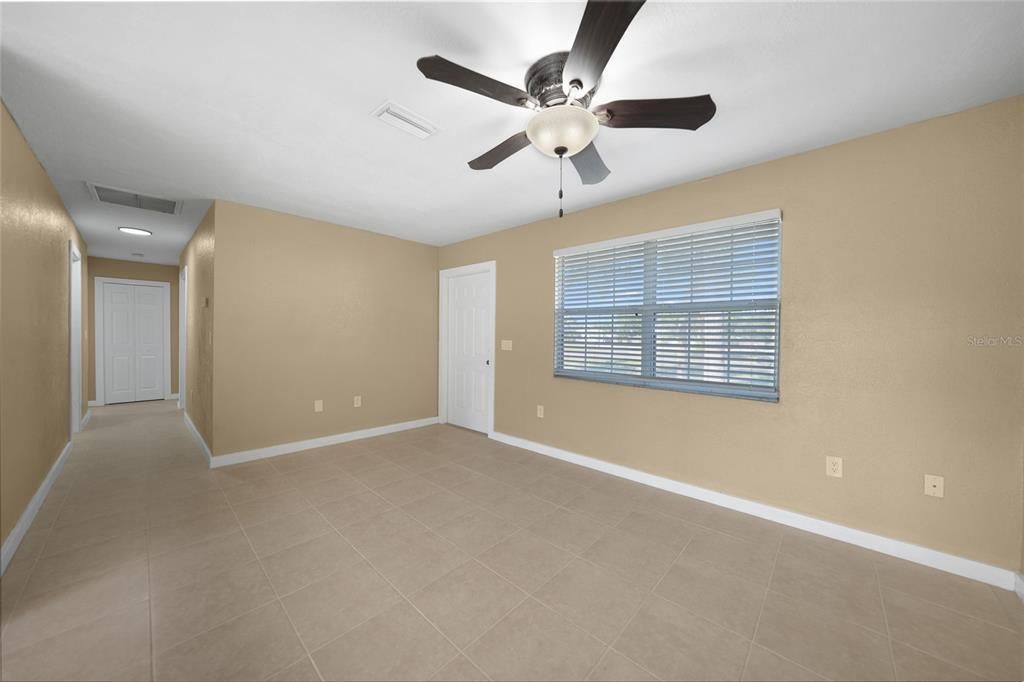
[(487, 362)]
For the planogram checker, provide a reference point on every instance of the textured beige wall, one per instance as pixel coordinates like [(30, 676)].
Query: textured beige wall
[(125, 269), (896, 249), (198, 255), (34, 383), (308, 310)]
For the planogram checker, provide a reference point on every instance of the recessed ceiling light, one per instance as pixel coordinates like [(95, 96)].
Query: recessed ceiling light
[(137, 231)]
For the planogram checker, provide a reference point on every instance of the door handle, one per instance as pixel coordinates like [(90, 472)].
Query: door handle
[(487, 362)]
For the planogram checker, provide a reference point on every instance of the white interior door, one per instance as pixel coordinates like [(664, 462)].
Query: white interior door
[(133, 343), (470, 346), (119, 342), (149, 343)]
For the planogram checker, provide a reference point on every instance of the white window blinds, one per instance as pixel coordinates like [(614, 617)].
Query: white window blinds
[(689, 309)]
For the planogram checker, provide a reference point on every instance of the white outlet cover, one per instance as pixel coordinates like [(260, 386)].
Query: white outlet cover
[(834, 466), (934, 486), (318, 406), (506, 344), (357, 401)]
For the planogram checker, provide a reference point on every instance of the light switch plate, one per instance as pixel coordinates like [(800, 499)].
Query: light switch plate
[(834, 466), (506, 344), (934, 486), (318, 406), (540, 412), (357, 401)]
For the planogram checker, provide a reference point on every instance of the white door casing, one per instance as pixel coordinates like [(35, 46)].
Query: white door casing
[(132, 340), (75, 334), (182, 334), (466, 363)]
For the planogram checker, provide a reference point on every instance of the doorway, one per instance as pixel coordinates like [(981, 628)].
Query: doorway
[(466, 347), (75, 335), (133, 345)]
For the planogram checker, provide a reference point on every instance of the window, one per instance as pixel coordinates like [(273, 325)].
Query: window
[(688, 309)]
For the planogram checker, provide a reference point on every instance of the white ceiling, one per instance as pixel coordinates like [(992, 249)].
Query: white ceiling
[(270, 104)]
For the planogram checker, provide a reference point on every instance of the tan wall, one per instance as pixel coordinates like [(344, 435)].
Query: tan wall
[(124, 269), (34, 384), (198, 255), (896, 248), (308, 310)]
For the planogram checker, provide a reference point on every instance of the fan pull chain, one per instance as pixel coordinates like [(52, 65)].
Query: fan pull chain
[(561, 161)]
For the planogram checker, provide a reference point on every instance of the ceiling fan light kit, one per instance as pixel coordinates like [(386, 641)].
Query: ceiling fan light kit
[(564, 126), (559, 88)]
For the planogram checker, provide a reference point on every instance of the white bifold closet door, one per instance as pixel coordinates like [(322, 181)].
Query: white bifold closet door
[(133, 339)]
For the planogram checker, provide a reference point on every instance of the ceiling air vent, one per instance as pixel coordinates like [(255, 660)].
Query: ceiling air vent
[(404, 120), (121, 197)]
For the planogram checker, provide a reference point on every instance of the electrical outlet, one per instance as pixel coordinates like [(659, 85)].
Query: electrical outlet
[(834, 466), (934, 486), (318, 406), (540, 412), (506, 344), (357, 401)]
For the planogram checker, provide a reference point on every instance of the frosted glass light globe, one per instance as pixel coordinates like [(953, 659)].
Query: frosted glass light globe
[(563, 125)]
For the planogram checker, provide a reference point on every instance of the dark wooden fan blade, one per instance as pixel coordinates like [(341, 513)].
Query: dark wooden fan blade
[(688, 113), (492, 158), (599, 33), (590, 165), (440, 69)]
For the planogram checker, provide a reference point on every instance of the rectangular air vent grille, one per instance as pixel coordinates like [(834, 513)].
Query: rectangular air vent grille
[(120, 197), (405, 120)]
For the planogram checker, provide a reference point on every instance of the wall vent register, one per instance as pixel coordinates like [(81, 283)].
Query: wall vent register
[(692, 309)]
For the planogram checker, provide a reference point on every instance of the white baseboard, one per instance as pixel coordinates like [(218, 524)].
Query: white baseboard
[(10, 545), (95, 403), (968, 568), (1020, 586), (173, 396), (85, 420), (199, 438), (297, 446)]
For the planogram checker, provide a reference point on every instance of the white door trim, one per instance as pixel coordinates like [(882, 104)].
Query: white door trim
[(75, 337), (490, 267), (182, 334), (166, 317)]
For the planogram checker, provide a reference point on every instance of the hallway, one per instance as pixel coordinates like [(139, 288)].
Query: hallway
[(437, 553)]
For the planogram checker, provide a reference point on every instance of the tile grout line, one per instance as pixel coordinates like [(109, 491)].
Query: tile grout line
[(885, 621), (760, 612), (400, 593), (947, 662), (149, 597), (891, 640), (472, 558), (277, 596), (20, 595), (579, 555), (611, 646)]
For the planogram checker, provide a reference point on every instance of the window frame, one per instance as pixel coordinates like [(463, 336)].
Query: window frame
[(645, 380)]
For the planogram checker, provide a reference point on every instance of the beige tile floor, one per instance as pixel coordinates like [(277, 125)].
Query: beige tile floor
[(437, 554)]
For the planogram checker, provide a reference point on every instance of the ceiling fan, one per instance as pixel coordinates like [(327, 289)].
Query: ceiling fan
[(559, 88)]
